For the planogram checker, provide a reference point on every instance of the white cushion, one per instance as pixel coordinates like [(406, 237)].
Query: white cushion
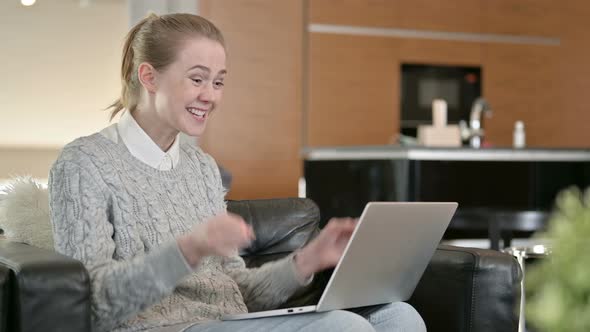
[(24, 213)]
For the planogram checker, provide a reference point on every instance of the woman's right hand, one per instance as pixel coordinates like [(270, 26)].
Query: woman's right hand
[(222, 235)]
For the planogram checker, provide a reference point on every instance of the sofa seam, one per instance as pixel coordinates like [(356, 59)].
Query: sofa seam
[(473, 292), (473, 286)]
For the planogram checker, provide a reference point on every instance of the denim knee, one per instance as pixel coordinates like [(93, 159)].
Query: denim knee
[(406, 318), (340, 320)]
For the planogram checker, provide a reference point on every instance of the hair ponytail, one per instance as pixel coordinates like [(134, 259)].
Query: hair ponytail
[(127, 100)]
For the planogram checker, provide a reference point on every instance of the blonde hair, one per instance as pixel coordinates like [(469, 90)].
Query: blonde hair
[(156, 40)]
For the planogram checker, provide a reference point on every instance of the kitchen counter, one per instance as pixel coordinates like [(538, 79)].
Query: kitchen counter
[(341, 180), (458, 154)]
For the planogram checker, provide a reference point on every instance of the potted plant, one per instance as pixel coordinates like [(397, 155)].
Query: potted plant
[(558, 288)]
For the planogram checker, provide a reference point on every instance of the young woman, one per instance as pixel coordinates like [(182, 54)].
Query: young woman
[(146, 213)]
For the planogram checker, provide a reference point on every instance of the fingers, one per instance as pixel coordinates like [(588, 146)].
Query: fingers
[(251, 233), (343, 220), (338, 229), (342, 224), (247, 230), (225, 234), (237, 222)]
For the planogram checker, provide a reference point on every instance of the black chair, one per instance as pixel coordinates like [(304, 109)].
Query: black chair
[(462, 289), (499, 223)]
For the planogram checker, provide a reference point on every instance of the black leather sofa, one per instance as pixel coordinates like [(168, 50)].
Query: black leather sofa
[(462, 290)]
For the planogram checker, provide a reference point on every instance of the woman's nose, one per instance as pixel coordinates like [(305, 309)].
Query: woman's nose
[(206, 94)]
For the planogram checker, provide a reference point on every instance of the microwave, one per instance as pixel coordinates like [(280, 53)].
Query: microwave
[(459, 86)]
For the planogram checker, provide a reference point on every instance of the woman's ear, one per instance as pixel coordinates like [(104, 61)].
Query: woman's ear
[(147, 76)]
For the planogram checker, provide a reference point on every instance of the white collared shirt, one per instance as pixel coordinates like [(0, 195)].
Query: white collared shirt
[(141, 145)]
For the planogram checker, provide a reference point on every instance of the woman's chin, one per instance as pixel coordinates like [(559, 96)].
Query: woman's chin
[(194, 131)]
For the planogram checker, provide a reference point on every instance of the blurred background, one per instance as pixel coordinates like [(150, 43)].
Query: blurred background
[(305, 74)]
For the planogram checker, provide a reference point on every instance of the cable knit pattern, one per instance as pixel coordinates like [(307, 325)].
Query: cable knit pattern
[(120, 217)]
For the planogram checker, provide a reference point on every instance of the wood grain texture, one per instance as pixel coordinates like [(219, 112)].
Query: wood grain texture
[(352, 91), (354, 84), (353, 81), (455, 15), (256, 133), (521, 83), (545, 86), (522, 17), (574, 74), (517, 17)]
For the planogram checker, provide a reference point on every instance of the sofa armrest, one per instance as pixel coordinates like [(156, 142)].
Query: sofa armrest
[(46, 291), (4, 291), (469, 290)]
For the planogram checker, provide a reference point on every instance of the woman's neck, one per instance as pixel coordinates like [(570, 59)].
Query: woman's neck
[(159, 132)]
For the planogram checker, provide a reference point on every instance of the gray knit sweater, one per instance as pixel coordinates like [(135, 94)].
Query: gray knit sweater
[(120, 217)]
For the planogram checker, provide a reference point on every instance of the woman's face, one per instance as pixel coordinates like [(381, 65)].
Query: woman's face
[(189, 89)]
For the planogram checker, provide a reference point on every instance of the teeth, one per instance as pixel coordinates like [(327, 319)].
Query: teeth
[(196, 112)]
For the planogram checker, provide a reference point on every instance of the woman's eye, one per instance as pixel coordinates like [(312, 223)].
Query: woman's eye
[(219, 84), (197, 80)]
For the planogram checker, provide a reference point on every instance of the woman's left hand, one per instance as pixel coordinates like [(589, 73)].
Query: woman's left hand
[(325, 250)]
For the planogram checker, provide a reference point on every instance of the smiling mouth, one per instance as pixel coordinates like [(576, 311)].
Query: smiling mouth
[(201, 114)]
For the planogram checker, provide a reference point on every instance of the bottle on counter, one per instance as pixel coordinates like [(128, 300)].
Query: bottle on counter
[(519, 137)]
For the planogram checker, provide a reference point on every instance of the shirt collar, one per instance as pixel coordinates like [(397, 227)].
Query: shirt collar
[(142, 147)]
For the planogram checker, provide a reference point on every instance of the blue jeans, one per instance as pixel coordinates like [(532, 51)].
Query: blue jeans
[(398, 316)]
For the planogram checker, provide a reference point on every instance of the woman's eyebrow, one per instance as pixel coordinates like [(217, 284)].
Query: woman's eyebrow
[(206, 69)]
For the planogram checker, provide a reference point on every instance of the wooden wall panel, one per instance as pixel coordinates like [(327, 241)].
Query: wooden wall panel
[(574, 76), (541, 85), (518, 17), (522, 17), (521, 83), (354, 84), (353, 81), (256, 133), (456, 15), (352, 90), (438, 52)]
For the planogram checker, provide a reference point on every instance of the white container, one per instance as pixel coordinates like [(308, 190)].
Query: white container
[(439, 113), (519, 136)]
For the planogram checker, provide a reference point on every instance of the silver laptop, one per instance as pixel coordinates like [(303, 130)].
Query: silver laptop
[(384, 259)]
